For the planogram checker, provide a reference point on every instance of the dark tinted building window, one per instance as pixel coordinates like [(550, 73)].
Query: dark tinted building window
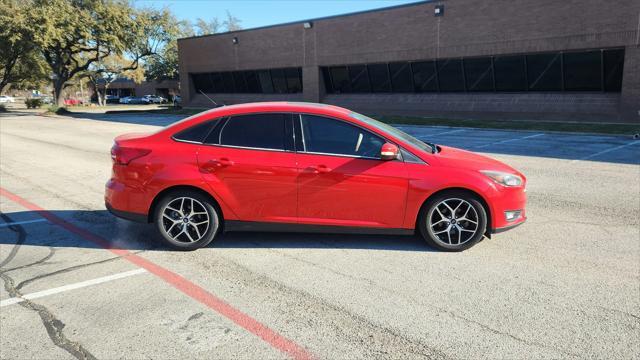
[(359, 78), (327, 80), (544, 72), (294, 80), (238, 79), (379, 75), (582, 71), (218, 84), (253, 85), (424, 76), (227, 79), (195, 133), (450, 76), (265, 81), (202, 83), (279, 81), (340, 79), (329, 136), (265, 131), (613, 64), (510, 73), (401, 77), (478, 74)]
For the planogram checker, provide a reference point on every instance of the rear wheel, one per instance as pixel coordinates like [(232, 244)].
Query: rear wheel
[(187, 220), (452, 221)]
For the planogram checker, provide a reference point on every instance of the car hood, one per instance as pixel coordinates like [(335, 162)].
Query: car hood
[(458, 158)]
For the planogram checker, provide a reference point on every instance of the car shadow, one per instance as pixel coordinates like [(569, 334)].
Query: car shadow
[(31, 229)]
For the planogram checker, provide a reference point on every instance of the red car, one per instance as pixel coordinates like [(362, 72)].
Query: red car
[(285, 166)]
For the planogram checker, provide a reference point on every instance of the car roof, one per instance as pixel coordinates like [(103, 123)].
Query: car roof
[(275, 106)]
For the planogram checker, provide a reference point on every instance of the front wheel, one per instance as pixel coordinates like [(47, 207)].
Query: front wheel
[(452, 221), (187, 220)]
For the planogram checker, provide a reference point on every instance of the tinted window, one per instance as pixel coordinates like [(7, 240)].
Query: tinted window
[(327, 80), (253, 85), (202, 83), (544, 72), (424, 76), (478, 74), (227, 79), (450, 75), (324, 135), (359, 78), (340, 79), (401, 77), (265, 81), (582, 71), (294, 80), (279, 81), (510, 73), (238, 79), (379, 75), (218, 84), (613, 64), (195, 133), (265, 131)]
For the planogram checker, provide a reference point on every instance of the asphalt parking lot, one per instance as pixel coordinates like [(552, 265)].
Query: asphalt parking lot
[(79, 283)]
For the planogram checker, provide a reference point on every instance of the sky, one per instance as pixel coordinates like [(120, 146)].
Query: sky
[(256, 13)]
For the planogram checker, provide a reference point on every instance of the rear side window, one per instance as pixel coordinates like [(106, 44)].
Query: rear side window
[(264, 131), (195, 133), (330, 136)]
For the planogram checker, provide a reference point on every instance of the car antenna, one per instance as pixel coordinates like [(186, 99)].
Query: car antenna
[(210, 99)]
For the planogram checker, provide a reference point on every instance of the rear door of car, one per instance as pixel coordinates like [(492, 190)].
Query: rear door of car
[(250, 162), (343, 181)]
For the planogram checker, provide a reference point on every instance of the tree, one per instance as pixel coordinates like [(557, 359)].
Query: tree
[(20, 62), (207, 27), (73, 35), (232, 23), (103, 73)]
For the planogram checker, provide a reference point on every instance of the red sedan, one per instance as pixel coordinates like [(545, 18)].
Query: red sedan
[(286, 166)]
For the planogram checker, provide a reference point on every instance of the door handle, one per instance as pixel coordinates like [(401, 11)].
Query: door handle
[(318, 169), (213, 165), (225, 161)]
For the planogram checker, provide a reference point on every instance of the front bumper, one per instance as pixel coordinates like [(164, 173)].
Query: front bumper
[(509, 227)]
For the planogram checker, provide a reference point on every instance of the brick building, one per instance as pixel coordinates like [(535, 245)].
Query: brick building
[(516, 59)]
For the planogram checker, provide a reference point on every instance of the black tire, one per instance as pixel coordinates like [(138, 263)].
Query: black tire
[(438, 241), (201, 204)]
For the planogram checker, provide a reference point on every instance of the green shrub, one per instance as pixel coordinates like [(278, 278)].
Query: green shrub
[(3, 108), (55, 109), (33, 103)]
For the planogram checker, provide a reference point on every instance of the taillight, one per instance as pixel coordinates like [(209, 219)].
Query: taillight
[(124, 155)]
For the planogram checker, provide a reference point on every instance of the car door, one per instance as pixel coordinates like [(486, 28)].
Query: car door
[(250, 162), (342, 179)]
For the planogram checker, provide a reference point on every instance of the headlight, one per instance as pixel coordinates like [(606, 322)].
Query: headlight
[(503, 178)]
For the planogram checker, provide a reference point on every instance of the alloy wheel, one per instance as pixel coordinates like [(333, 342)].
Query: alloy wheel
[(453, 221), (185, 220)]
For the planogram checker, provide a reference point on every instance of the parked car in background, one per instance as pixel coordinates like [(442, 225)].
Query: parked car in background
[(112, 99), (7, 99), (125, 100), (72, 102), (154, 99), (307, 167)]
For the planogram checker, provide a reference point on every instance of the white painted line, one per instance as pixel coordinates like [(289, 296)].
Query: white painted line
[(607, 151), (23, 222), (509, 140), (448, 132), (64, 288)]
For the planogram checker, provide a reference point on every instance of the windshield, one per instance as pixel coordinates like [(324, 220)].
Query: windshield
[(395, 132)]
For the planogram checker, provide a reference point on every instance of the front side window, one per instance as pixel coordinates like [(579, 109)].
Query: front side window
[(264, 131), (330, 136)]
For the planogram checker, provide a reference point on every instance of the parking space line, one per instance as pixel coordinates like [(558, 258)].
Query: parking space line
[(448, 132), (69, 287), (179, 282), (508, 141), (23, 222), (607, 151)]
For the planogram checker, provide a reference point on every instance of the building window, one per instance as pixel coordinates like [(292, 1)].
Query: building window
[(280, 81), (450, 75), (589, 70), (478, 74), (510, 73)]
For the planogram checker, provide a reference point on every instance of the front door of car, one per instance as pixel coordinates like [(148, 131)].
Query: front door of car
[(343, 181), (250, 163)]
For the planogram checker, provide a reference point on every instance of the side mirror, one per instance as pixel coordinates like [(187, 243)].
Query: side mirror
[(389, 151)]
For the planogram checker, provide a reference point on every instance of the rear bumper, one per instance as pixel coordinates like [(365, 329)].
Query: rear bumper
[(141, 218)]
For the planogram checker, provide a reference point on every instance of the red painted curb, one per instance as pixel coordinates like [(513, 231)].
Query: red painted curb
[(177, 281)]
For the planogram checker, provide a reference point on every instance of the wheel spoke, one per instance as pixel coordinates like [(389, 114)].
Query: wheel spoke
[(169, 217), (197, 231), (186, 231), (449, 235), (176, 210)]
